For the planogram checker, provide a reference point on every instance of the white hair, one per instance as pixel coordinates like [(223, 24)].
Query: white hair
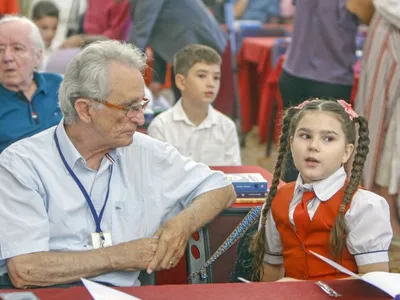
[(87, 75), (36, 37)]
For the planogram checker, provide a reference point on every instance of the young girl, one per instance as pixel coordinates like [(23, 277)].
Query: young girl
[(322, 211)]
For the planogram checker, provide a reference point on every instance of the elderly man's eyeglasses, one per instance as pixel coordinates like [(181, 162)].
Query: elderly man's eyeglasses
[(133, 109)]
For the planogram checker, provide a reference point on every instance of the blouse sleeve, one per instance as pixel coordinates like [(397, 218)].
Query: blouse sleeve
[(273, 254), (370, 232)]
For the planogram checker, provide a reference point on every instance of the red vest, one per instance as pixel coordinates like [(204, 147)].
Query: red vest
[(298, 262)]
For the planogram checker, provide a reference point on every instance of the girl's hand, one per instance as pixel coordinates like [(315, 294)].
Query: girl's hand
[(284, 279)]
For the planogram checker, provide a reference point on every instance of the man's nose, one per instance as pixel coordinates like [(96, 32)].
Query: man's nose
[(7, 55)]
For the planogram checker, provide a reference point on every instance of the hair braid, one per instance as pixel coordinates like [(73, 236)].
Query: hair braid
[(259, 243), (339, 231)]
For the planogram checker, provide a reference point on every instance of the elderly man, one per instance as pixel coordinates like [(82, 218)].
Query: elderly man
[(92, 197), (28, 100)]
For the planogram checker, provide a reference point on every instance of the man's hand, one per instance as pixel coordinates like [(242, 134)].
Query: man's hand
[(134, 255), (172, 240)]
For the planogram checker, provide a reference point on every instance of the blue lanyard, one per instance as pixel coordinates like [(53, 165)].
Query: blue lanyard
[(97, 218)]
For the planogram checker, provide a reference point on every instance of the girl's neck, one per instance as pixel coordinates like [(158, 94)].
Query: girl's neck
[(196, 112)]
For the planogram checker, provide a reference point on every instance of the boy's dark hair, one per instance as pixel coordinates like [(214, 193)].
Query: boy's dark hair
[(44, 9), (192, 54), (293, 115)]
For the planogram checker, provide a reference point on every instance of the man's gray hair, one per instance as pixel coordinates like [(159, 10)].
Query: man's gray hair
[(36, 38), (87, 75)]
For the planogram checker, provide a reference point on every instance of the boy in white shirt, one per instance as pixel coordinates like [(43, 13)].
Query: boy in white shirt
[(192, 125)]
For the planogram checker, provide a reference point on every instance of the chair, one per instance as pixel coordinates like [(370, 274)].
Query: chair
[(59, 60)]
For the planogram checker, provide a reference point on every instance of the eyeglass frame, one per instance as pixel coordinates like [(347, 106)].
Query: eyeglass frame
[(126, 109)]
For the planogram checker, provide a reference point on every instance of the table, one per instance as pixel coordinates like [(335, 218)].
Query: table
[(302, 290), (255, 64)]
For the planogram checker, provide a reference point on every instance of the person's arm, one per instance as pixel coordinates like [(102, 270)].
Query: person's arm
[(144, 15), (390, 10), (232, 148), (174, 234), (25, 235), (273, 260), (272, 272), (363, 9), (118, 20), (240, 8), (50, 268), (369, 244)]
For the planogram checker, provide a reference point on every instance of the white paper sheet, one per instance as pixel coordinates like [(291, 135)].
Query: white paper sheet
[(387, 282), (102, 292)]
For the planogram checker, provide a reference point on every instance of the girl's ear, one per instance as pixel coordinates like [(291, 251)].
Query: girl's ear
[(348, 151)]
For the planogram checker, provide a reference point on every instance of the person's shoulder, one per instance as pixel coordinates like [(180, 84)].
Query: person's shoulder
[(52, 80), (223, 120), (146, 142), (52, 77), (368, 197), (146, 147), (164, 116), (29, 150)]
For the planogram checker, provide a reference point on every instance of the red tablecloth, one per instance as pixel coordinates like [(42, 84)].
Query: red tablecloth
[(255, 64), (302, 290)]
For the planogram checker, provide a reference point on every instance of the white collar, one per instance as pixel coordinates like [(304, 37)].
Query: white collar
[(178, 114), (326, 188)]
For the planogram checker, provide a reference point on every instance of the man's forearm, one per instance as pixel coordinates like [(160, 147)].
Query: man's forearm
[(50, 268), (206, 207)]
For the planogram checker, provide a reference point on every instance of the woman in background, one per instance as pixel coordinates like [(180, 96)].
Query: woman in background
[(378, 100)]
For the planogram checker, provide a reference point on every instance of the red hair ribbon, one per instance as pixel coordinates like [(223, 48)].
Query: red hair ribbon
[(348, 109)]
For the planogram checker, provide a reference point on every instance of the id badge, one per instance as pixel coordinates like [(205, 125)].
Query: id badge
[(99, 242)]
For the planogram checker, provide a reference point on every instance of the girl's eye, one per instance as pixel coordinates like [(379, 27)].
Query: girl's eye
[(328, 139), (202, 76), (216, 78), (305, 136)]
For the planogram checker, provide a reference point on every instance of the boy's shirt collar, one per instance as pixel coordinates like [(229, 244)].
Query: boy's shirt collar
[(179, 114)]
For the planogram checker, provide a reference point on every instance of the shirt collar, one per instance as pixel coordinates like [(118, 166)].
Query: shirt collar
[(40, 82), (178, 114), (71, 154), (326, 188)]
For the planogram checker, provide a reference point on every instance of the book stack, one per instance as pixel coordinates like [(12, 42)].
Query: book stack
[(249, 187)]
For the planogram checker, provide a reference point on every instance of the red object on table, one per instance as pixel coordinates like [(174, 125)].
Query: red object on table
[(255, 64), (178, 274), (299, 290)]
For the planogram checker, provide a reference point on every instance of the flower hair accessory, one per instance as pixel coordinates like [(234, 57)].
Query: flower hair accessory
[(302, 104), (348, 109)]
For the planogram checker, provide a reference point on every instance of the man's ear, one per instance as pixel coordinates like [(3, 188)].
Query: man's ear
[(38, 58), (180, 82), (84, 110)]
